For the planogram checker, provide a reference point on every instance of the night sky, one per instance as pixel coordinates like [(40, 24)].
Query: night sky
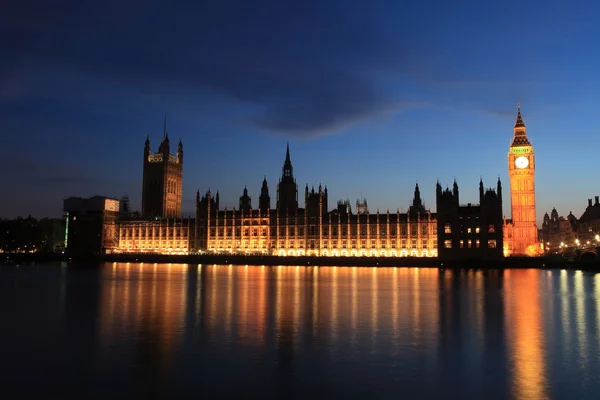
[(372, 96)]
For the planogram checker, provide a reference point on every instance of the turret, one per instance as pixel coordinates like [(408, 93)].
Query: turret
[(245, 201), (180, 152), (417, 202), (480, 191), (147, 149), (264, 201), (499, 189), (455, 190)]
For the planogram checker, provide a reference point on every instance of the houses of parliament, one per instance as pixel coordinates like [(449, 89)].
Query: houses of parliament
[(291, 226)]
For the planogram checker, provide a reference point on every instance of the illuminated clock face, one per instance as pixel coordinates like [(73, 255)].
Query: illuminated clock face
[(521, 162)]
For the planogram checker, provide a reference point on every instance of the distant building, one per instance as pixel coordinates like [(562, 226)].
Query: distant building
[(91, 225), (470, 231), (558, 232), (588, 225), (29, 235), (361, 206), (52, 234)]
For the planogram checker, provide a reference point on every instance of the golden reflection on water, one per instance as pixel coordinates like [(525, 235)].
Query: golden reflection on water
[(145, 301), (525, 333), (580, 317), (427, 314)]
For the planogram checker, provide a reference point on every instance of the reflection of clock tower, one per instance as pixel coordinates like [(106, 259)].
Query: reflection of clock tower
[(521, 171)]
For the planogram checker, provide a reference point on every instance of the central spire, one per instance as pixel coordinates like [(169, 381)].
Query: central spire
[(287, 165)]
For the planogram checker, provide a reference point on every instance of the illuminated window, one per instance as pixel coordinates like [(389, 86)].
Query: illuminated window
[(491, 228), (447, 229), (462, 244), (469, 244), (492, 243), (447, 244), (468, 230), (477, 230), (477, 243)]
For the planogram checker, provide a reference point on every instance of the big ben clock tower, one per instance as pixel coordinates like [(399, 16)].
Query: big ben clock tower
[(521, 171)]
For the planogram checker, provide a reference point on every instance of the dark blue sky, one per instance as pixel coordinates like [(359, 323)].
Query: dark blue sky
[(373, 96)]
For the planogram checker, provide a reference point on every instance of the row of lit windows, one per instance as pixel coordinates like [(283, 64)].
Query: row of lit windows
[(152, 244), (154, 232), (470, 244), (314, 231), (448, 229), (334, 244)]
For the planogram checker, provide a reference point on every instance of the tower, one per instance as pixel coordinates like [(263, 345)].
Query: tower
[(521, 171), (264, 201), (245, 201), (162, 179), (287, 190)]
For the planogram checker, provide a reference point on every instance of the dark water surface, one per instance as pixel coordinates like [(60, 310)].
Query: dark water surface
[(189, 331)]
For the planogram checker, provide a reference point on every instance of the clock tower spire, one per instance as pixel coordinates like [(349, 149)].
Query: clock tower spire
[(521, 232)]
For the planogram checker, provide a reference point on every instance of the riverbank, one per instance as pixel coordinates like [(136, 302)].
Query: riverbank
[(510, 262)]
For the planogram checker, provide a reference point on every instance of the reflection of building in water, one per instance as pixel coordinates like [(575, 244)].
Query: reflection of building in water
[(471, 333), (148, 299), (524, 333)]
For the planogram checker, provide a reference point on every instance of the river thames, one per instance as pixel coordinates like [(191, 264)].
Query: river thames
[(189, 331)]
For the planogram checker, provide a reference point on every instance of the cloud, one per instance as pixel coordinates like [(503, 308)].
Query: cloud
[(307, 67)]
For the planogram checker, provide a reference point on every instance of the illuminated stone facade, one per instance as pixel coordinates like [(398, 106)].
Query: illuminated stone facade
[(521, 233), (313, 230), (159, 236), (162, 180)]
